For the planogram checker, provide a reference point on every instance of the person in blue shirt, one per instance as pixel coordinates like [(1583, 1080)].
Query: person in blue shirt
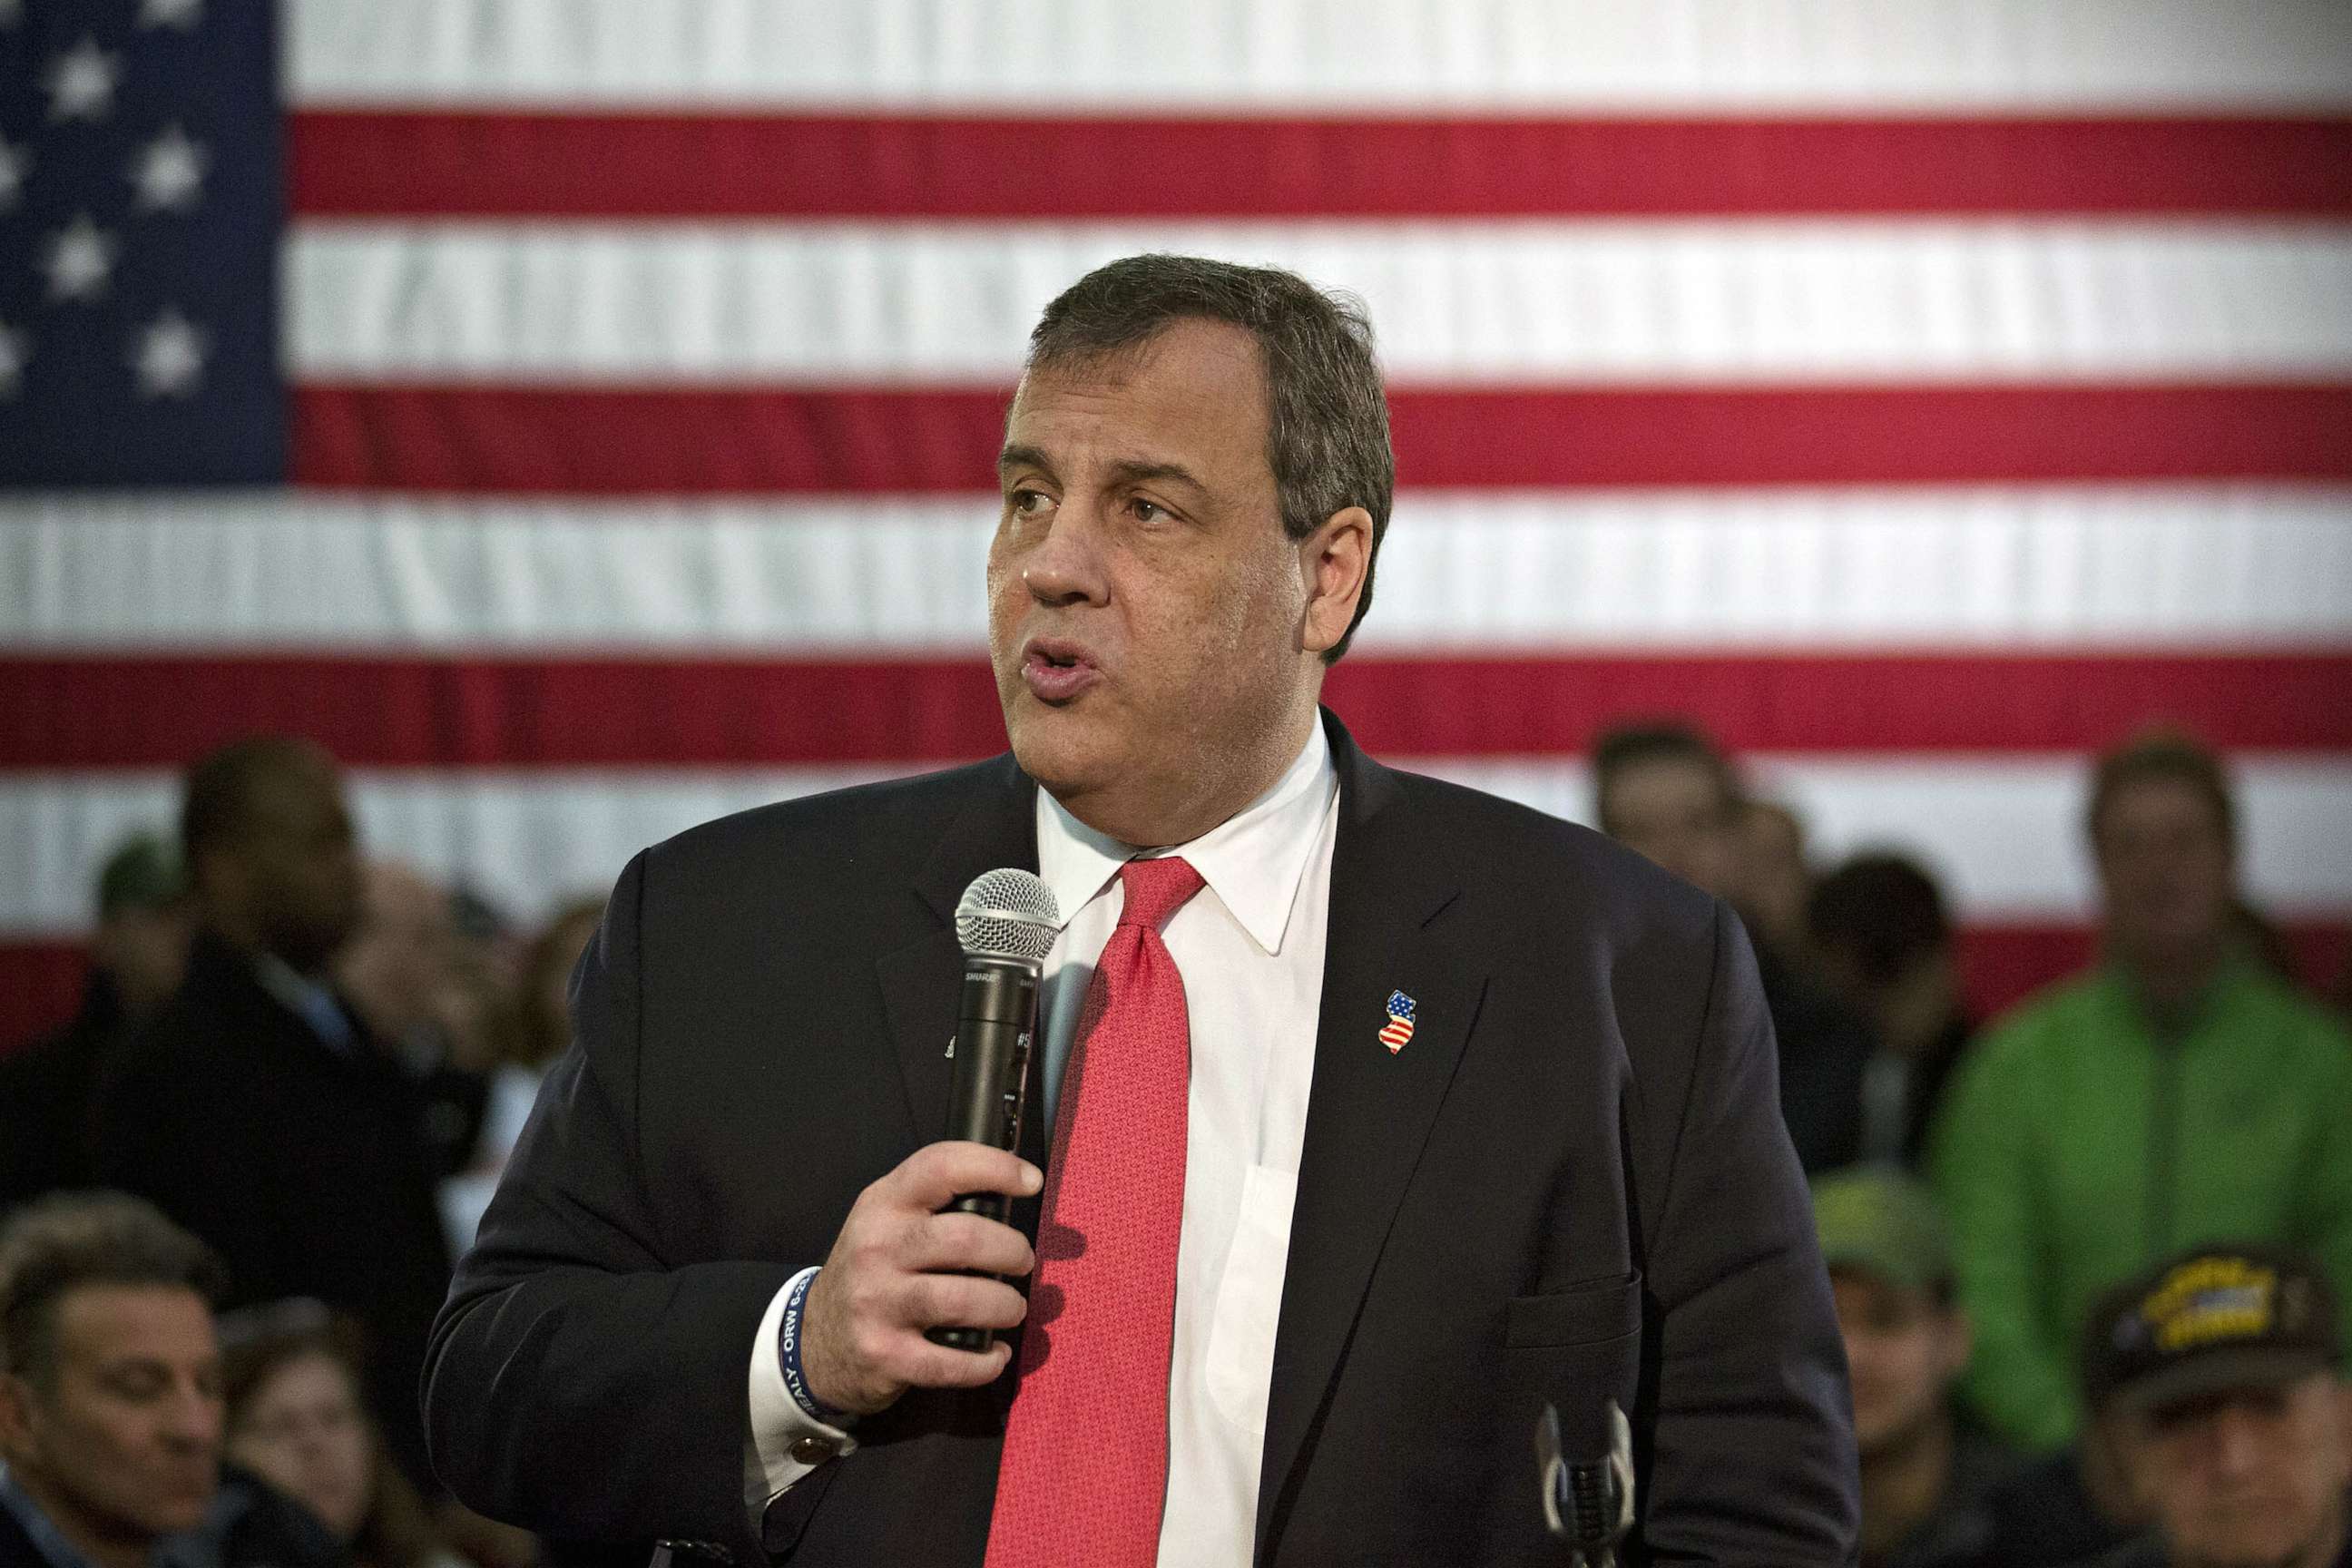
[(111, 1407)]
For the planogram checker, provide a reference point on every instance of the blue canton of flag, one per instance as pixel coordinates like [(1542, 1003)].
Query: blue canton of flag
[(141, 207), (1399, 1028)]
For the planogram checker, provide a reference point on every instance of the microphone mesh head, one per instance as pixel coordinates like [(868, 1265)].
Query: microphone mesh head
[(1008, 914)]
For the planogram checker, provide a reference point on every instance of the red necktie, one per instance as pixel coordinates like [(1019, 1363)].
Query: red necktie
[(1084, 1470)]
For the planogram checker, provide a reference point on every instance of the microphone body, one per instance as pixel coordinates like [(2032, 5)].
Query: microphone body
[(1006, 932)]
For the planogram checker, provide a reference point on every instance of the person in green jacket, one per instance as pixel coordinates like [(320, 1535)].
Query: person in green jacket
[(2175, 1094)]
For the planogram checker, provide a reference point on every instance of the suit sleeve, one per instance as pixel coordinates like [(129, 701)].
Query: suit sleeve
[(1752, 1459), (581, 1383)]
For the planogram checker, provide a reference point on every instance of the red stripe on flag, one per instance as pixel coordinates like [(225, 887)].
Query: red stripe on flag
[(448, 162), (63, 712), (576, 440), (2000, 964)]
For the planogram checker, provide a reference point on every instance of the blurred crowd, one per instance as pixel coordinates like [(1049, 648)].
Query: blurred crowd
[(312, 1065), (2089, 1257)]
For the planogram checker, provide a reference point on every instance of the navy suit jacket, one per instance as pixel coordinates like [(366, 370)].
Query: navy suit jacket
[(1572, 1185)]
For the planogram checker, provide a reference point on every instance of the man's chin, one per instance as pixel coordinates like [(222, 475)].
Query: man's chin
[(1068, 751)]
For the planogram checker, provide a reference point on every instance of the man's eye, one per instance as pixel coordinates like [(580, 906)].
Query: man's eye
[(1028, 502), (1147, 510)]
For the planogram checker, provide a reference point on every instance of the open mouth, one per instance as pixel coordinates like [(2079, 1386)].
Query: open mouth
[(1057, 671)]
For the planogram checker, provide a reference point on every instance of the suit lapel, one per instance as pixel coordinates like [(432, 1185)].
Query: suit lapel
[(921, 979), (1370, 1110)]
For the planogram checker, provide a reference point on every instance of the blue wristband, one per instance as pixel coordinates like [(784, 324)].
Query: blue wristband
[(788, 1353)]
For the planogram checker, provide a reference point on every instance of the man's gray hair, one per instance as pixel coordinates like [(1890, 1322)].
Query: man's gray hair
[(1327, 423), (59, 1243)]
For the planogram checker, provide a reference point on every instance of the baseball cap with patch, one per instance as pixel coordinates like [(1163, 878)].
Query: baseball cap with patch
[(1883, 1222), (2217, 1319)]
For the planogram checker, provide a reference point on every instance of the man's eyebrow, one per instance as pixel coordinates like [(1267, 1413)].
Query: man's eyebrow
[(1020, 457), (1135, 470)]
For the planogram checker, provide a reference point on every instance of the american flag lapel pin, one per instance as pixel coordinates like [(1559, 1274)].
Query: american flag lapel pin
[(1399, 1028)]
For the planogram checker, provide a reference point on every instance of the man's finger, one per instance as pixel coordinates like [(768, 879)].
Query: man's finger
[(951, 1241), (963, 1301), (930, 1176), (936, 1366)]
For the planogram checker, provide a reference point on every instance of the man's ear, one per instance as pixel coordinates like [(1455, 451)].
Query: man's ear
[(1333, 563), (16, 1418)]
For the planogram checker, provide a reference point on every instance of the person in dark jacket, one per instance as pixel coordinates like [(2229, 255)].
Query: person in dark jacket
[(1881, 940), (110, 1408), (138, 954), (257, 1110), (2223, 1371), (1924, 1473), (1665, 791)]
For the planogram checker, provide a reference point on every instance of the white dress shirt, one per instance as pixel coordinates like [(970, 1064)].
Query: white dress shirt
[(1250, 947)]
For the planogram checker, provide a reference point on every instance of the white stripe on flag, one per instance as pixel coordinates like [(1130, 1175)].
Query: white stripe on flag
[(1468, 302), (2004, 832), (2057, 567), (1045, 56)]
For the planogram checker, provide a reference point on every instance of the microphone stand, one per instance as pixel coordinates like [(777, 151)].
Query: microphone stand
[(1589, 1506)]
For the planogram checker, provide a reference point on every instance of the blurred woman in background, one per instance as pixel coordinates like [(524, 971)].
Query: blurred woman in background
[(295, 1417)]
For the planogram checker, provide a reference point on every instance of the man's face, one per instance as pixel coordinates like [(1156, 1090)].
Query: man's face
[(300, 857), (125, 1441), (2166, 871), (1672, 810), (1148, 618), (2251, 1478), (1903, 1349)]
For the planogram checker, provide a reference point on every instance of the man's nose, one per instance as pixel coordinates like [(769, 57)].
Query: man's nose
[(2237, 1445), (1065, 567), (194, 1420)]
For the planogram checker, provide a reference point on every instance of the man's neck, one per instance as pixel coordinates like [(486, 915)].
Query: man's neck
[(2172, 985), (99, 1545), (1214, 797), (1903, 1482)]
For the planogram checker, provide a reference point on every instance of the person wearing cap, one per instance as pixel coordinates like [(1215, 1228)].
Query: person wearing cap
[(137, 954), (2222, 1372), (2176, 1093), (1924, 1475)]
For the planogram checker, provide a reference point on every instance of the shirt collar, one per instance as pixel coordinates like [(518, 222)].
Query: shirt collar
[(1252, 860), (194, 1549)]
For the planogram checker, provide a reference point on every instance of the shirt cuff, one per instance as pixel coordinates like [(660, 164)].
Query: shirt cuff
[(785, 1443)]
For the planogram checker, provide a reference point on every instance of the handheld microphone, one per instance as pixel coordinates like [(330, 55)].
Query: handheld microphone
[(1006, 921)]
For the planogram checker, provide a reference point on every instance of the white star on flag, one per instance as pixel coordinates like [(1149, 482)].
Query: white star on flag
[(15, 348), (13, 162), (171, 356), (168, 172), (181, 14), (81, 82), (81, 256)]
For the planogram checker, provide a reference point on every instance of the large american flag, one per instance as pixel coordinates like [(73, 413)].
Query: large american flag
[(579, 413)]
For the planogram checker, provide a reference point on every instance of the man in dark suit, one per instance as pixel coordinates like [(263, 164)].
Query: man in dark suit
[(255, 1109), (1469, 1110)]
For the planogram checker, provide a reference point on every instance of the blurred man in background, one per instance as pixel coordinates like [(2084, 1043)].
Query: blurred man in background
[(1771, 877), (404, 972), (1882, 941), (1666, 792), (137, 956), (110, 1409), (2223, 1370), (1923, 1476), (256, 1109), (2176, 1091)]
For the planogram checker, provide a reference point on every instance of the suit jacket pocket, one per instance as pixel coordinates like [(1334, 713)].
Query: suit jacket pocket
[(1588, 1313)]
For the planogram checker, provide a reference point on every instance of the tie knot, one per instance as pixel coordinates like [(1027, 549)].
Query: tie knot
[(1156, 890)]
